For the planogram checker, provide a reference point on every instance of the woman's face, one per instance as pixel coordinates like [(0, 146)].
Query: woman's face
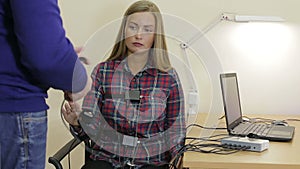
[(139, 32)]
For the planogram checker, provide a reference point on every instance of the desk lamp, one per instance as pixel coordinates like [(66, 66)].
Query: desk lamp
[(213, 65)]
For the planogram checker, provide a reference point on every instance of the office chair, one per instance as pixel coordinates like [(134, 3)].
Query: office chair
[(65, 150), (72, 144)]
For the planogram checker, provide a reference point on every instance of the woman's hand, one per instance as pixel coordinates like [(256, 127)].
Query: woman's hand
[(70, 111)]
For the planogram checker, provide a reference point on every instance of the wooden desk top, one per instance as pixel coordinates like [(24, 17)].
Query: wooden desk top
[(280, 155)]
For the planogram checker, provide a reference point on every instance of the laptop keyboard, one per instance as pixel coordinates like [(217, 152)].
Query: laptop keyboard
[(258, 129)]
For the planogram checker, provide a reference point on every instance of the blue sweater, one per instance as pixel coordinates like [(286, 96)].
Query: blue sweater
[(34, 55)]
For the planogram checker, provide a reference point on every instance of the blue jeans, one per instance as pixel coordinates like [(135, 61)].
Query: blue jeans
[(23, 140)]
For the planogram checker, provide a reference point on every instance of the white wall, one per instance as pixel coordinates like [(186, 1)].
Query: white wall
[(265, 56)]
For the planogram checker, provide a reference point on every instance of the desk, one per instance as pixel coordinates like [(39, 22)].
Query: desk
[(280, 155)]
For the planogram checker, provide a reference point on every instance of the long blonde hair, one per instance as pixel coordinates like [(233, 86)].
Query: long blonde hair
[(158, 53)]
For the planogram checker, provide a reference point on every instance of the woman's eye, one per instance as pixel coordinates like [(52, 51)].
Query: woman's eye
[(132, 27), (148, 30)]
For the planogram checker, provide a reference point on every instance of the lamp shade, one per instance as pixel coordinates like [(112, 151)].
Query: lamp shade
[(249, 18)]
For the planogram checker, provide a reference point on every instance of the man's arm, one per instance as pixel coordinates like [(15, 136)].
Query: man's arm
[(46, 53)]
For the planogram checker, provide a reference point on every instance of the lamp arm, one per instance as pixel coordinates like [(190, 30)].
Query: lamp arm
[(215, 22), (193, 97)]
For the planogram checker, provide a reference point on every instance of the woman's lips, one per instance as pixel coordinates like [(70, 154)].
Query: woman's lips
[(137, 44)]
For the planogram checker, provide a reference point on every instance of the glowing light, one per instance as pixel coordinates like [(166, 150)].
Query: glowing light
[(262, 43)]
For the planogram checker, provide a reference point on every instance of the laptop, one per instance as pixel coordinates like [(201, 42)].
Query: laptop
[(234, 118)]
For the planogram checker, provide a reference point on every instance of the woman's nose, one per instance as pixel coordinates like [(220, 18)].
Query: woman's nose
[(139, 33)]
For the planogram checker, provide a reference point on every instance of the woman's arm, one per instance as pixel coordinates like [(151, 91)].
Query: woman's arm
[(176, 116)]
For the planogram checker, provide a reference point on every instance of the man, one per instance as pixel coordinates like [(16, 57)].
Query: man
[(35, 55)]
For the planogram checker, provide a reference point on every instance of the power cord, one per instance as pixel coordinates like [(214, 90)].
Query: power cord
[(208, 128), (61, 114), (210, 144), (69, 154), (67, 126), (270, 121)]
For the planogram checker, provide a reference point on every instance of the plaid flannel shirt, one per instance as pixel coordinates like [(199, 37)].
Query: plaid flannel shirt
[(155, 124)]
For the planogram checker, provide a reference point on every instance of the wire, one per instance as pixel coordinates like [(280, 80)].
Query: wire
[(213, 138), (210, 144), (222, 117), (208, 128), (214, 148), (69, 154), (269, 121), (61, 114), (209, 138), (292, 119), (67, 126)]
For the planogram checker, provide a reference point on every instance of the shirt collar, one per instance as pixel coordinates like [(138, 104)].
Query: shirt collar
[(148, 68)]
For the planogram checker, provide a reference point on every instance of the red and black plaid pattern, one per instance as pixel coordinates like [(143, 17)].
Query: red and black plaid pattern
[(156, 120)]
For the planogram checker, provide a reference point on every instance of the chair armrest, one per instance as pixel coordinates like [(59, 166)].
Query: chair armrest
[(61, 153)]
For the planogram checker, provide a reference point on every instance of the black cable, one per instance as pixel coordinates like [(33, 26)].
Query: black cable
[(69, 154), (172, 165), (270, 121), (223, 116), (208, 128), (67, 126), (292, 119), (213, 146), (216, 148), (61, 114), (209, 138), (217, 137)]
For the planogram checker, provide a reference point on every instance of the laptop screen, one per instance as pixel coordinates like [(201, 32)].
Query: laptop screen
[(231, 99)]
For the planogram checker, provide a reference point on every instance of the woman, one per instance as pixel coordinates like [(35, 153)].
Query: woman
[(134, 113)]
